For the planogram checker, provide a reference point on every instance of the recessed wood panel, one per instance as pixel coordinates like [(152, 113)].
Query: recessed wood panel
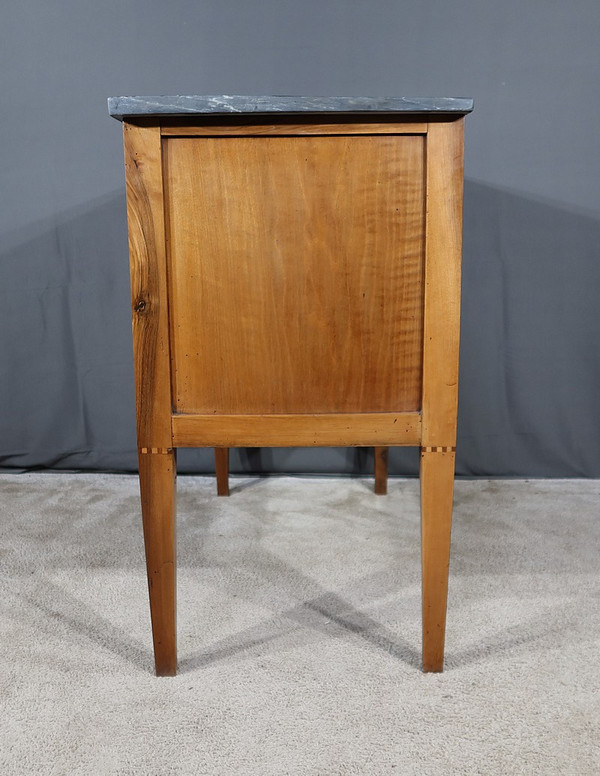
[(296, 273)]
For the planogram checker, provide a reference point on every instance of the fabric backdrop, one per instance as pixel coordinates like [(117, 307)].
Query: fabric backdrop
[(529, 391)]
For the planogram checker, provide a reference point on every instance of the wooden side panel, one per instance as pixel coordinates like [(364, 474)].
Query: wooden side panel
[(296, 269), (145, 216), (330, 429), (442, 281)]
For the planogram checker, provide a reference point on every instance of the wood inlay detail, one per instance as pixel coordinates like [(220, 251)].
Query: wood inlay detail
[(156, 450), (438, 449)]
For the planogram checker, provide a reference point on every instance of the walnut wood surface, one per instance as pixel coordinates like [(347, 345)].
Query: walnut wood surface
[(296, 269), (303, 430), (305, 128), (143, 175), (222, 470), (442, 282), (440, 374), (437, 486), (157, 487), (381, 470)]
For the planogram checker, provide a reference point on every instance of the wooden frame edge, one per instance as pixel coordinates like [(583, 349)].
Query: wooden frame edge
[(301, 430), (270, 128)]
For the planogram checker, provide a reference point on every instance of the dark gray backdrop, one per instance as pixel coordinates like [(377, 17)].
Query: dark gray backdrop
[(530, 380)]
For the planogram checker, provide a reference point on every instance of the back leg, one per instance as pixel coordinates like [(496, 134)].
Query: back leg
[(222, 467), (381, 470)]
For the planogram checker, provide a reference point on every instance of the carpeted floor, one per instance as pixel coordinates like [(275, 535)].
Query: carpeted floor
[(299, 631)]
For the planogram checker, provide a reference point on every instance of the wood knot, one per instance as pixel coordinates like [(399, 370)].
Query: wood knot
[(140, 306)]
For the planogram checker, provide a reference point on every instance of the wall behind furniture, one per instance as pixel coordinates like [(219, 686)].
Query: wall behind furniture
[(530, 383)]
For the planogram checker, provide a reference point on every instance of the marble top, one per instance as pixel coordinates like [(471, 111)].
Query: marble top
[(185, 105)]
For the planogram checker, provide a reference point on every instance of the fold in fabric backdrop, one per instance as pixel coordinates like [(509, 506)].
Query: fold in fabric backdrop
[(530, 363), (529, 359)]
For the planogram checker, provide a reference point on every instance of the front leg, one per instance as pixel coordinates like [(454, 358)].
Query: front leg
[(437, 486), (157, 488)]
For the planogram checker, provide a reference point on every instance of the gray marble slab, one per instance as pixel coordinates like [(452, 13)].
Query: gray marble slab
[(185, 105)]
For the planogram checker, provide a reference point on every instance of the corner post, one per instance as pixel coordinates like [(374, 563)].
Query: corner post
[(443, 243), (157, 466)]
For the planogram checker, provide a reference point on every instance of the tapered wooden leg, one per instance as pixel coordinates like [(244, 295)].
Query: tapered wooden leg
[(222, 467), (381, 470), (157, 487), (437, 485)]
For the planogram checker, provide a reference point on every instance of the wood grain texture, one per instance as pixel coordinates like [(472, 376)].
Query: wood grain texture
[(437, 486), (381, 470), (329, 429), (222, 470), (143, 172), (325, 128), (296, 271), (442, 282), (157, 488)]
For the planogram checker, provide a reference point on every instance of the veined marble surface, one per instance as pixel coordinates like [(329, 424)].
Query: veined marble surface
[(124, 107)]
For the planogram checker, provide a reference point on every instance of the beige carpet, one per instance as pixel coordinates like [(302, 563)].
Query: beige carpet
[(299, 631)]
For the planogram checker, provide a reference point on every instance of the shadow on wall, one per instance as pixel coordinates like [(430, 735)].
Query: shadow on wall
[(67, 386), (530, 370)]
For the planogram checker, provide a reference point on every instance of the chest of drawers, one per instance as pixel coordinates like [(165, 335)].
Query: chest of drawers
[(295, 277)]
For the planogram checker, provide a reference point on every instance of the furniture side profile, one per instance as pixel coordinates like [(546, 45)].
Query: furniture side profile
[(295, 280)]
